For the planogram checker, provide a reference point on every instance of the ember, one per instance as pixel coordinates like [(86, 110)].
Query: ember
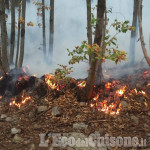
[(108, 85), (25, 77)]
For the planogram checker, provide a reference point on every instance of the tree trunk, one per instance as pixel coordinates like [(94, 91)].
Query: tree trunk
[(101, 7), (89, 27), (7, 4), (51, 29), (99, 72), (12, 39), (141, 34), (43, 22), (134, 33), (22, 35), (3, 36), (18, 37)]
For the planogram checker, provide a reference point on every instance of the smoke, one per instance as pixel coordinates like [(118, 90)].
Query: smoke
[(70, 30)]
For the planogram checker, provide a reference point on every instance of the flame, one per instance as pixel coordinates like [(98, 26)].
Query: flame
[(96, 97), (121, 91), (1, 78), (107, 105), (108, 85), (92, 105), (81, 84), (142, 92), (49, 79), (24, 99), (135, 90), (148, 84)]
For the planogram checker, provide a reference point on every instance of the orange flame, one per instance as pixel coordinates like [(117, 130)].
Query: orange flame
[(105, 106), (49, 79), (23, 101), (108, 85), (81, 84), (121, 91)]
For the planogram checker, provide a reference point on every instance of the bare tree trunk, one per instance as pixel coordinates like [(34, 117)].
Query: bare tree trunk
[(51, 28), (89, 27), (22, 35), (3, 36), (99, 73), (134, 33), (18, 37), (141, 34), (43, 22), (12, 40), (101, 7), (7, 4)]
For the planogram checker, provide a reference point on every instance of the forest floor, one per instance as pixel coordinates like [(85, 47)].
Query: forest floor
[(62, 113)]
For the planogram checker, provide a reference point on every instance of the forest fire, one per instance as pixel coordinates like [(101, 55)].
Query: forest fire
[(19, 101), (109, 105)]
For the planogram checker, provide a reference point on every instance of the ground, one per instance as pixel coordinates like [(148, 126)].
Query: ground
[(62, 113)]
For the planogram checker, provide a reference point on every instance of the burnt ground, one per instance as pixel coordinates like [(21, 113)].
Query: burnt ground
[(32, 119)]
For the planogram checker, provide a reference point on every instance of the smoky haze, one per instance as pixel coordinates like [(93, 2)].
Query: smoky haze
[(70, 31)]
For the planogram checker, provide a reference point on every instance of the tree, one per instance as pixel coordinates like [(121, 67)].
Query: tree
[(3, 36), (22, 35), (12, 36), (89, 26), (104, 47), (101, 7), (18, 36), (134, 33), (99, 72), (43, 22), (141, 34), (51, 30)]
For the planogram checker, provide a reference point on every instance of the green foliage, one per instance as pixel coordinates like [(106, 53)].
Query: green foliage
[(62, 73), (109, 45)]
